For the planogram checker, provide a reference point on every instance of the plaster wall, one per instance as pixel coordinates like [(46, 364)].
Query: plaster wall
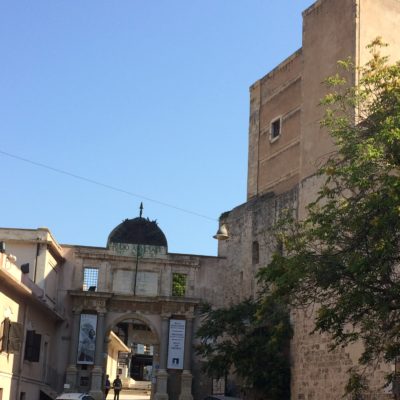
[(26, 254), (51, 280), (34, 246), (378, 19), (10, 308), (38, 372), (329, 35), (274, 162), (115, 345), (18, 375), (253, 135)]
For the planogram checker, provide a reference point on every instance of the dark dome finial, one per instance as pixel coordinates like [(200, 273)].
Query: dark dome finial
[(141, 210), (138, 231)]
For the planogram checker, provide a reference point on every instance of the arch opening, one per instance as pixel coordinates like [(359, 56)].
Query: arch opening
[(133, 354)]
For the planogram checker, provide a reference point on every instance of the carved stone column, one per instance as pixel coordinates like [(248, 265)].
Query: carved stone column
[(96, 389), (162, 374), (186, 380), (72, 371), (156, 366), (105, 352)]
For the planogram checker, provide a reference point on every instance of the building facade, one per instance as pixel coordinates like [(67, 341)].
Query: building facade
[(129, 308), (31, 316), (286, 147)]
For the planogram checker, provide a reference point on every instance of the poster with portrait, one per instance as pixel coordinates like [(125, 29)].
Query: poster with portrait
[(176, 343), (87, 339)]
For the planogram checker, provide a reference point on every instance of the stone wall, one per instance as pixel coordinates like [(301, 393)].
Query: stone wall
[(247, 224), (274, 162), (317, 372), (333, 30)]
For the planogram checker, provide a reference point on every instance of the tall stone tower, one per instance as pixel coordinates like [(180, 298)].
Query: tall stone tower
[(286, 147)]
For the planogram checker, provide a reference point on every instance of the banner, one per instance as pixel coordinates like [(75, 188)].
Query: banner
[(87, 339), (176, 343)]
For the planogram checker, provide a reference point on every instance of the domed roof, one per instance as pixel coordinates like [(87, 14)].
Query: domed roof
[(138, 231)]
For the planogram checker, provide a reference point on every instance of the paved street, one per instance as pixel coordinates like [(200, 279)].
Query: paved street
[(130, 395)]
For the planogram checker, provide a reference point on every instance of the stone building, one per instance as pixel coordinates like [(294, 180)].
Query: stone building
[(104, 305), (128, 308), (30, 315), (286, 146)]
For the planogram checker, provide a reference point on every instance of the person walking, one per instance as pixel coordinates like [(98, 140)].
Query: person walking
[(117, 386), (107, 386)]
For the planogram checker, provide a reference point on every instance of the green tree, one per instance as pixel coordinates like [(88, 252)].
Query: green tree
[(345, 255), (251, 344)]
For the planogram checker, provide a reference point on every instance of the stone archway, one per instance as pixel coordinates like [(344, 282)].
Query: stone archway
[(133, 342), (134, 315)]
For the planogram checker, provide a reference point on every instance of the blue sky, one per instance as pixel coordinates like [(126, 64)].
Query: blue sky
[(147, 96)]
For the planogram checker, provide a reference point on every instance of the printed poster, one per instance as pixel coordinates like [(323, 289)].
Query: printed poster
[(87, 339), (176, 343)]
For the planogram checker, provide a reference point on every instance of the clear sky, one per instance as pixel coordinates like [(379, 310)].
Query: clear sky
[(147, 96)]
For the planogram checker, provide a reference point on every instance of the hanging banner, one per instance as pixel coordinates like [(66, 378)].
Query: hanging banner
[(87, 339), (176, 343)]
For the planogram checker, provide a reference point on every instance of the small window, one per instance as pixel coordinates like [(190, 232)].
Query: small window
[(279, 248), (178, 284), (275, 129), (32, 346), (90, 277), (255, 253)]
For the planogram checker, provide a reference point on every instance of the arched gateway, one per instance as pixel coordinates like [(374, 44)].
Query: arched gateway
[(134, 281)]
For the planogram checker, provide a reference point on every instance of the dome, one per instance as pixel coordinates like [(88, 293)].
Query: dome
[(138, 231)]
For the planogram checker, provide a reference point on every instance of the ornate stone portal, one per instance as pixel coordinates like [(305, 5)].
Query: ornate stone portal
[(134, 281)]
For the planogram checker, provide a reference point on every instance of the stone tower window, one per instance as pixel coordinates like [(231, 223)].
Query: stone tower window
[(279, 247), (275, 129), (255, 253)]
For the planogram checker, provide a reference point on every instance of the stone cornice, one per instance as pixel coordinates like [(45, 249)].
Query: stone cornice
[(107, 257)]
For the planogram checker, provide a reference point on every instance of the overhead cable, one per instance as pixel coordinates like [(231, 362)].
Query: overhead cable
[(105, 185)]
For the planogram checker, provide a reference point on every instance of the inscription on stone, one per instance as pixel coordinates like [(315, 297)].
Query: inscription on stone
[(134, 250)]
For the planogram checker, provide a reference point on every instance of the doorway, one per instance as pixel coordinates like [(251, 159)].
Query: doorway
[(133, 355)]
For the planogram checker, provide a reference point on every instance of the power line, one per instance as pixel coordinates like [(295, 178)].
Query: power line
[(104, 185)]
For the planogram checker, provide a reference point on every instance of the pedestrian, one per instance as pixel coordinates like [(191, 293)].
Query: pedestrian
[(117, 386), (107, 386)]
